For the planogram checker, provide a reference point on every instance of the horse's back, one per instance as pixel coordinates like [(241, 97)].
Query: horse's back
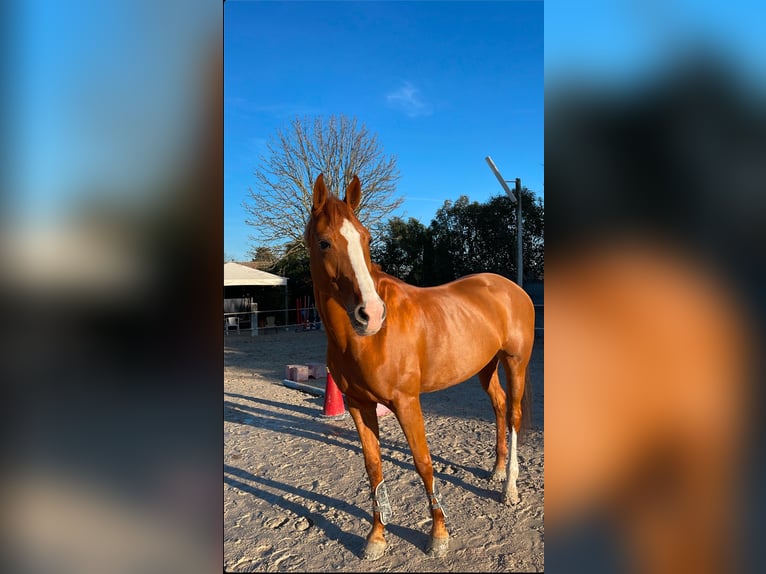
[(501, 298), (473, 318)]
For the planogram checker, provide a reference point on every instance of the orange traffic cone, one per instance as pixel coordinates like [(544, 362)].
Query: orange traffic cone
[(333, 400)]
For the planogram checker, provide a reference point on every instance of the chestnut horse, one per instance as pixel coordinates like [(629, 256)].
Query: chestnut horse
[(388, 342)]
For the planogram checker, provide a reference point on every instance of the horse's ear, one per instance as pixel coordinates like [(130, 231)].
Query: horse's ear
[(354, 193), (320, 193)]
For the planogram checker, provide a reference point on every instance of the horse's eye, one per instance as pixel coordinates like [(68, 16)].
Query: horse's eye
[(324, 244)]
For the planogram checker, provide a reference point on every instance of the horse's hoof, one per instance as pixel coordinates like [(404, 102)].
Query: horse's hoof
[(511, 499), (437, 547), (497, 476), (373, 550)]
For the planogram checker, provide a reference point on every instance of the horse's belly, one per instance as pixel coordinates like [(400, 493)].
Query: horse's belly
[(445, 369)]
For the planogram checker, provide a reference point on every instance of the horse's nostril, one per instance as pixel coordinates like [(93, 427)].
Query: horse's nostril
[(361, 314)]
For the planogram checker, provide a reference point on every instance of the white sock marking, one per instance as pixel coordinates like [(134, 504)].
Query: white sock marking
[(514, 458), (510, 492)]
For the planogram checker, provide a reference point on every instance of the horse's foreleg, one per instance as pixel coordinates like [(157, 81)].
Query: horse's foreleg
[(366, 421), (410, 418), (491, 384)]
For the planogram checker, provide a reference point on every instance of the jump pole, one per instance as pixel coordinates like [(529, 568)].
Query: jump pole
[(301, 387)]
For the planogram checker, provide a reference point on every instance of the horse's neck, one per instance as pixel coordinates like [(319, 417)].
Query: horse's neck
[(383, 280)]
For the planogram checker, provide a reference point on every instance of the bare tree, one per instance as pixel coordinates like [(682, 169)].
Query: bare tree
[(337, 147), (264, 257)]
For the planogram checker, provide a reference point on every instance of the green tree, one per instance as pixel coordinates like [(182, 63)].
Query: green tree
[(533, 236), (295, 266), (264, 256), (469, 237), (402, 249)]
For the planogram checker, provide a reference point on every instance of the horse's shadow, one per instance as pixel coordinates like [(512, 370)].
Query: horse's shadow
[(352, 542), (326, 434), (285, 424), (348, 540), (296, 408)]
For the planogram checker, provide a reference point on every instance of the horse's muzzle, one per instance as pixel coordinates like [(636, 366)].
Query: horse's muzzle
[(368, 319)]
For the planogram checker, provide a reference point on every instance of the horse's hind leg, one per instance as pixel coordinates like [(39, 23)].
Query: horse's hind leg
[(366, 421), (491, 384), (516, 372)]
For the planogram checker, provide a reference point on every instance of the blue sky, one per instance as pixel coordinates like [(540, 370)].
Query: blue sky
[(442, 84)]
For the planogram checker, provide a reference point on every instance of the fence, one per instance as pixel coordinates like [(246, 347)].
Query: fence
[(273, 320), (307, 319)]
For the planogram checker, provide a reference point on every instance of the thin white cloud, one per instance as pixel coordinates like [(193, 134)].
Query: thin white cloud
[(407, 99)]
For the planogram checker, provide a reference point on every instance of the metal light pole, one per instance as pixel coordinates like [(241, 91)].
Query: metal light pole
[(517, 200)]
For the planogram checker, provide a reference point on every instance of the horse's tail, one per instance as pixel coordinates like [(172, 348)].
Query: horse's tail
[(526, 406)]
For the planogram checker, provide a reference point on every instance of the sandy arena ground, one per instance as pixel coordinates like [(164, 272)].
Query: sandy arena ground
[(296, 495)]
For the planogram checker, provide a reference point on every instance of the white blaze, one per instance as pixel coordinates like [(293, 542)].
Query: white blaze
[(373, 304)]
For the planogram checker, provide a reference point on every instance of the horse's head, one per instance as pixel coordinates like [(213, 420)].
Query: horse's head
[(339, 251)]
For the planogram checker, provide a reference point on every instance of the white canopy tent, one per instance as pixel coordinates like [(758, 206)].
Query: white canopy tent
[(236, 274)]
